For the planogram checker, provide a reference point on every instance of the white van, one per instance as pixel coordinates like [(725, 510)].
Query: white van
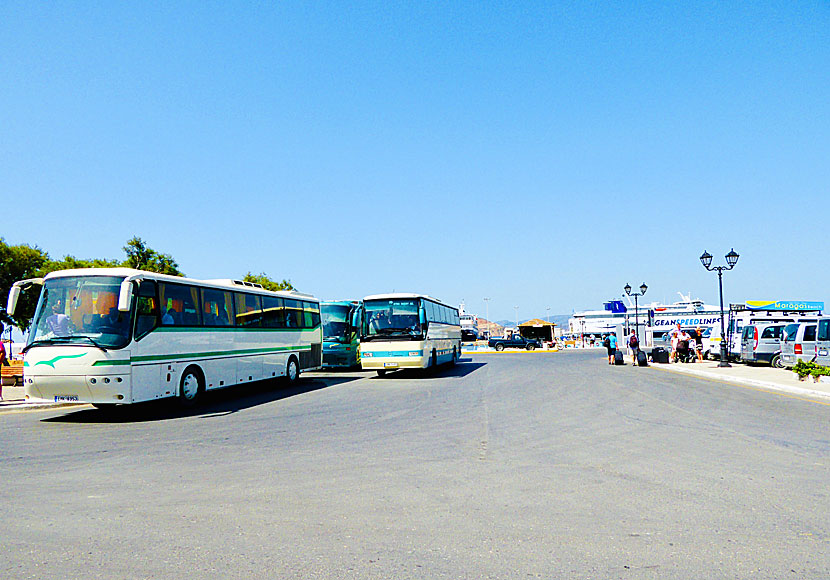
[(798, 343), (761, 343), (823, 341)]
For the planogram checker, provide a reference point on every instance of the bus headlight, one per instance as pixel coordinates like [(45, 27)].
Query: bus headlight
[(367, 354), (415, 353)]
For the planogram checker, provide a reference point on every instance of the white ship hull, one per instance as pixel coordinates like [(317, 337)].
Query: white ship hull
[(687, 313)]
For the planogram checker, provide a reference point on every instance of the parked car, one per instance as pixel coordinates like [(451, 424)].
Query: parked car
[(468, 335), (515, 341), (761, 343), (798, 343)]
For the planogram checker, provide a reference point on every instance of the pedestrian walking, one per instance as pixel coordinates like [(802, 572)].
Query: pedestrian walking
[(634, 346)]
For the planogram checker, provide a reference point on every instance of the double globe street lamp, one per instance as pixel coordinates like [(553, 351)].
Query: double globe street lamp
[(636, 295), (731, 260)]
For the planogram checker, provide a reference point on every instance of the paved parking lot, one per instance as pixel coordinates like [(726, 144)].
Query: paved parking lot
[(506, 466)]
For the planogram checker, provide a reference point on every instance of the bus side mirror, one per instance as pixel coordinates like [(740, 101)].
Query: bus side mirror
[(125, 296), (14, 294)]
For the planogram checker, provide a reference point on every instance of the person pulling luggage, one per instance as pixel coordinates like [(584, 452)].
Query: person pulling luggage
[(612, 347), (634, 345)]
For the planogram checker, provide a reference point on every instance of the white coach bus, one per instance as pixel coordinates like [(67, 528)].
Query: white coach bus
[(408, 331), (114, 335)]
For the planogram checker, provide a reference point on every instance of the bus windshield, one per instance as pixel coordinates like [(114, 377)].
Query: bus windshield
[(335, 319), (391, 318), (80, 310)]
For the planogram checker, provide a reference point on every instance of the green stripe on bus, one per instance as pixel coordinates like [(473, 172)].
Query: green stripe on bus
[(216, 353), (229, 329), (110, 363)]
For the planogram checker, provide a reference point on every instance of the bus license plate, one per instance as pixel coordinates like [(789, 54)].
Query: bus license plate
[(66, 398), (390, 364)]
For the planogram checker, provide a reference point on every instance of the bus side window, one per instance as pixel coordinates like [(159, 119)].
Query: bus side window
[(146, 309)]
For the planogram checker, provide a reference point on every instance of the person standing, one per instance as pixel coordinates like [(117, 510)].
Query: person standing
[(612, 347), (699, 338), (4, 358), (675, 337), (4, 362)]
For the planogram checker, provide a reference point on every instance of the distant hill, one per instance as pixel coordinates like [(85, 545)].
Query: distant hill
[(560, 320)]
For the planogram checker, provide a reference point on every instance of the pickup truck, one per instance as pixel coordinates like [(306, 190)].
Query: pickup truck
[(515, 342)]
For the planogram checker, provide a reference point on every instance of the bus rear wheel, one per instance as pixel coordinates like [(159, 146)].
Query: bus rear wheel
[(191, 386)]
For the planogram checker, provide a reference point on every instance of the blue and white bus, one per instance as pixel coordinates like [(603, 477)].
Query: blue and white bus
[(114, 335), (341, 333), (408, 331)]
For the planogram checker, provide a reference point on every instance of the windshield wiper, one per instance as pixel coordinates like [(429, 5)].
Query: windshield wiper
[(90, 339), (60, 340)]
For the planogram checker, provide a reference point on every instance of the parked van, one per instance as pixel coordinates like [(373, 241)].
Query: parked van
[(798, 343), (823, 341), (761, 343)]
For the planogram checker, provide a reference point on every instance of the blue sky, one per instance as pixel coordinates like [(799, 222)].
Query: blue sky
[(540, 154)]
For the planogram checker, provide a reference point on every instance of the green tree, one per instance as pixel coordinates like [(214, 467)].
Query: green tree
[(263, 280), (18, 263), (71, 263), (142, 257)]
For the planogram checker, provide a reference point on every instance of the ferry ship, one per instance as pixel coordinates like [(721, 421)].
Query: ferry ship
[(469, 324), (656, 316)]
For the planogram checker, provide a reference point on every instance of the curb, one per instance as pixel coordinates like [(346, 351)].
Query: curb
[(514, 351), (12, 406), (750, 382)]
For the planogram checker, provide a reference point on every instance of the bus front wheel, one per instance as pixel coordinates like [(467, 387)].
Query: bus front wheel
[(191, 387), (292, 371)]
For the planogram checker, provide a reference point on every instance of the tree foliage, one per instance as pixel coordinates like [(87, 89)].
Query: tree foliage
[(263, 280), (23, 261), (142, 257), (19, 263)]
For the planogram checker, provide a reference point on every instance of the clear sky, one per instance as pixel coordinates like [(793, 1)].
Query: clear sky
[(539, 154)]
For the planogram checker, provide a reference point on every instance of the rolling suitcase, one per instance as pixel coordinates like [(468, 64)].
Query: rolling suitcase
[(660, 355), (618, 358), (642, 359)]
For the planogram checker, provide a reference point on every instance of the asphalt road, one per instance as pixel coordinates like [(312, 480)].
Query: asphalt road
[(507, 466)]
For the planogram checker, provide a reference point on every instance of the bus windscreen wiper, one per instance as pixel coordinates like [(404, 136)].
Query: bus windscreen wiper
[(59, 340)]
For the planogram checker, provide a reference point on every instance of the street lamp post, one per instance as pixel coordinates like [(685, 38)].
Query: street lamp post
[(636, 295), (731, 260), (582, 322)]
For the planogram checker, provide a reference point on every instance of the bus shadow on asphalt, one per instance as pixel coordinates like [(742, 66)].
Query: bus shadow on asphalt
[(461, 369), (213, 404)]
